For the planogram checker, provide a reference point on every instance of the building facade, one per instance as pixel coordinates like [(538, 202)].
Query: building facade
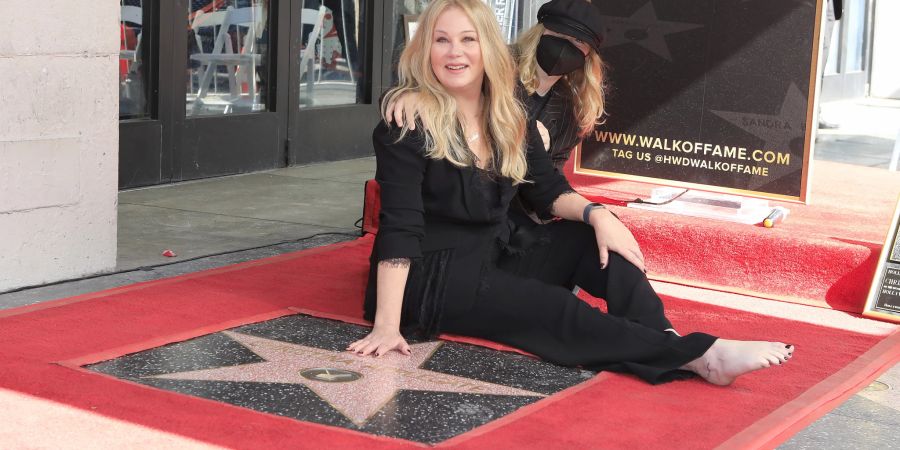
[(129, 93)]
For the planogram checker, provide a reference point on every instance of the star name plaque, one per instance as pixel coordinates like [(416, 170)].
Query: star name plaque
[(884, 295)]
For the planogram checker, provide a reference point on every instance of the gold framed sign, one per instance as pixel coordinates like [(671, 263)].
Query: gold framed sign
[(883, 301), (707, 95)]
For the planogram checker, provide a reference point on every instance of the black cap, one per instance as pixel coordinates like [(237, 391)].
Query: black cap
[(576, 18)]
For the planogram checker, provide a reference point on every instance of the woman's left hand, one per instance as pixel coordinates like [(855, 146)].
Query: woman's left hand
[(613, 236)]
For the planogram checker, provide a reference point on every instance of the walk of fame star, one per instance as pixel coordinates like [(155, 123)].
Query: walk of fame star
[(356, 386), (645, 29)]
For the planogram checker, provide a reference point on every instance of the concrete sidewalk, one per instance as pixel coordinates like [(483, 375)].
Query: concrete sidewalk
[(867, 132), (216, 222)]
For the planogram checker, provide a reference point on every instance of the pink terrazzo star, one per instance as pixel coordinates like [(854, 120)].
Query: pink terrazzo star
[(356, 399)]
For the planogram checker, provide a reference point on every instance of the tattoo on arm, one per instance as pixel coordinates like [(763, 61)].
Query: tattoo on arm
[(397, 263)]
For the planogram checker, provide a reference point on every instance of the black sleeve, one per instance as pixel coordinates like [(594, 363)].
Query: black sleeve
[(546, 183), (400, 168)]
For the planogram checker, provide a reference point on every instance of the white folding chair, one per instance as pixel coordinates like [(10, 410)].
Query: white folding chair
[(133, 15), (314, 17), (243, 60)]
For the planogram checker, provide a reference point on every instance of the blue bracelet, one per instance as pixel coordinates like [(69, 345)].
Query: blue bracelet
[(586, 214)]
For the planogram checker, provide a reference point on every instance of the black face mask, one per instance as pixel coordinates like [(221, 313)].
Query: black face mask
[(558, 56)]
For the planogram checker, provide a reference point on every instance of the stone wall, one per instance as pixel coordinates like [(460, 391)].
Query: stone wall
[(58, 139)]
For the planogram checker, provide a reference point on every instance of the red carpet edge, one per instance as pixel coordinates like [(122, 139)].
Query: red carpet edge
[(799, 413), (770, 429)]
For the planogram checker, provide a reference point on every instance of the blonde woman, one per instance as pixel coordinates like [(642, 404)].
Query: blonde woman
[(445, 259), (560, 68)]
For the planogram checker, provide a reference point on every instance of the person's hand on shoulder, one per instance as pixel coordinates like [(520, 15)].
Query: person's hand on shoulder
[(403, 109)]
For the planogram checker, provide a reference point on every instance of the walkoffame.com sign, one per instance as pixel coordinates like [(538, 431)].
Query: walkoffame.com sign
[(709, 94)]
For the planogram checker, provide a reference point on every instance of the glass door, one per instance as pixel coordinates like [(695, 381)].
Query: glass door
[(220, 87), (849, 53), (230, 114), (140, 123), (333, 87), (197, 86)]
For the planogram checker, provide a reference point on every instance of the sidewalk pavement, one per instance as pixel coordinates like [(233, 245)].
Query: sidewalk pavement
[(222, 221), (866, 134)]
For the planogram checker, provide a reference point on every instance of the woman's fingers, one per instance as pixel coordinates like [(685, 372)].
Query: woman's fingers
[(391, 112), (632, 253), (409, 110), (369, 349), (398, 114), (379, 346), (352, 347), (633, 259), (604, 256), (640, 257), (386, 347)]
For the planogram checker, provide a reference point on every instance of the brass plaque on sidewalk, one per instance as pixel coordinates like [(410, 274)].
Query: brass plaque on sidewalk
[(883, 301)]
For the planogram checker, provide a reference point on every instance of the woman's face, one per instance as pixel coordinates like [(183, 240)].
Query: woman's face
[(456, 58), (583, 46)]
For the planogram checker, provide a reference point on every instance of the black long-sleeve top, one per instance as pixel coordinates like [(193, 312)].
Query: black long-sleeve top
[(445, 218), (556, 110), (428, 204)]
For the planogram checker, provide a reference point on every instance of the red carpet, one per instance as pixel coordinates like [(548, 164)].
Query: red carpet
[(824, 254), (39, 345)]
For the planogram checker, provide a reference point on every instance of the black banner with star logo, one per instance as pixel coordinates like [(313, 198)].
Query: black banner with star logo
[(709, 94)]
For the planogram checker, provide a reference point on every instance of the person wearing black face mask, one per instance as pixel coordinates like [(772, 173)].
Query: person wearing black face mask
[(558, 58)]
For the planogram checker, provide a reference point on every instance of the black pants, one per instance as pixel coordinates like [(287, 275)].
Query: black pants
[(527, 301)]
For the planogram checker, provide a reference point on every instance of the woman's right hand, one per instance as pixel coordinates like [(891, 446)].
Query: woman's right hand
[(380, 341), (403, 109)]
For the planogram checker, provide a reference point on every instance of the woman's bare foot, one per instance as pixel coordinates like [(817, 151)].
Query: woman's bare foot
[(728, 359)]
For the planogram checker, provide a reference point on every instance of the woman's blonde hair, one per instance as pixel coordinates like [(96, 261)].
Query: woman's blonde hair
[(502, 115), (587, 83)]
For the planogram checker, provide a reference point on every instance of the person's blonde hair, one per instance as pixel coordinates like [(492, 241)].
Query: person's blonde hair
[(502, 115), (586, 83)]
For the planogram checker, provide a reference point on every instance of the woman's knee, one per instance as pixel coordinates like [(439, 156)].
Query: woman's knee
[(580, 235), (623, 264)]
